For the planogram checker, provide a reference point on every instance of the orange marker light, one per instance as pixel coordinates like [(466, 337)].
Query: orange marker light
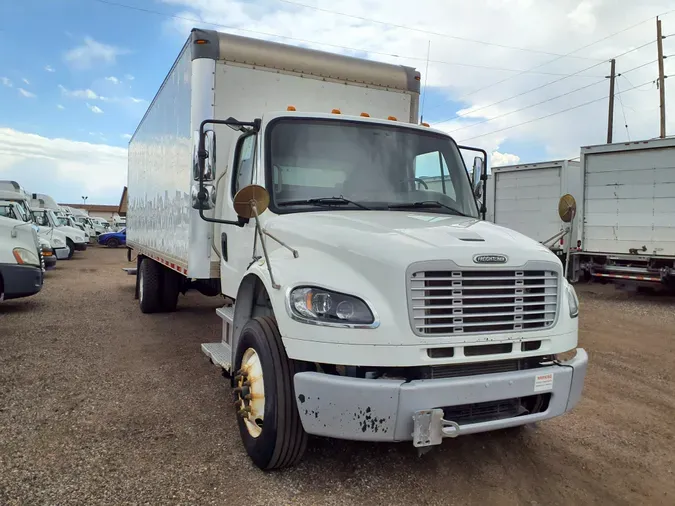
[(336, 111), (201, 41), (392, 118), (426, 125), (290, 108), (365, 115)]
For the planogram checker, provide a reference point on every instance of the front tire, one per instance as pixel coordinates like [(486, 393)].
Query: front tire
[(112, 243), (271, 431), (149, 286), (71, 248)]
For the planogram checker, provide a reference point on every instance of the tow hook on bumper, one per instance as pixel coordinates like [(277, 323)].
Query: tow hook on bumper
[(429, 428)]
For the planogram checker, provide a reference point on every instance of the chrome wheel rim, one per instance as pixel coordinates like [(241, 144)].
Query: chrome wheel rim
[(250, 392)]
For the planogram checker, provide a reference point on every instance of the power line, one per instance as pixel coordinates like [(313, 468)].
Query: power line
[(526, 107), (560, 57), (459, 115), (428, 32), (623, 111), (544, 101), (307, 41), (543, 117)]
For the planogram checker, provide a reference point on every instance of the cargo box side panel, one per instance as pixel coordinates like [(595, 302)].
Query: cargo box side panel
[(527, 201), (629, 202), (160, 161)]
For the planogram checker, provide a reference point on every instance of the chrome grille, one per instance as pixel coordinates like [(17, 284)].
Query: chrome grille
[(461, 302)]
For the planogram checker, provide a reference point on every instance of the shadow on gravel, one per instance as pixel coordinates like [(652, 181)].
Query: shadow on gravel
[(18, 306)]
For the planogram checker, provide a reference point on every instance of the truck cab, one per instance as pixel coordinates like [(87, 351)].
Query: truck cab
[(17, 210), (20, 265), (75, 238)]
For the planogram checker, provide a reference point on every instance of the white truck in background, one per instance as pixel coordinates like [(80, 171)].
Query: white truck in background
[(524, 197), (14, 204), (362, 302), (21, 272), (48, 213), (628, 231)]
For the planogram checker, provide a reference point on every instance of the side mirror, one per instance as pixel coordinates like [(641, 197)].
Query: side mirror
[(478, 189), (209, 200), (205, 163), (477, 171)]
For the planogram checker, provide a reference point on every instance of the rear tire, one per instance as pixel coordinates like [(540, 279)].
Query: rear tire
[(170, 290), (112, 242), (282, 440), (71, 248), (149, 284)]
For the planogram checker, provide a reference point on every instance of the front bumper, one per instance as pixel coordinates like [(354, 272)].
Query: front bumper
[(383, 409), (61, 253), (20, 280), (80, 246)]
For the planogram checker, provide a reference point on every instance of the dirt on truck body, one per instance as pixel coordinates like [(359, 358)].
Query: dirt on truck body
[(101, 404)]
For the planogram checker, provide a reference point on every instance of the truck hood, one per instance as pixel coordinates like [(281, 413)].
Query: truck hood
[(404, 237)]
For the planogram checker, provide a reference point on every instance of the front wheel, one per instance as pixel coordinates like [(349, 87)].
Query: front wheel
[(113, 243), (268, 418), (71, 248)]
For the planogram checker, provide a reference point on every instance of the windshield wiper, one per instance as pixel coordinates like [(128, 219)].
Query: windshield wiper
[(323, 201), (426, 203)]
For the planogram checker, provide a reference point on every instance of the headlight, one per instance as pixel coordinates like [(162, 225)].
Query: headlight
[(572, 301), (325, 307), (79, 238), (58, 242), (23, 256)]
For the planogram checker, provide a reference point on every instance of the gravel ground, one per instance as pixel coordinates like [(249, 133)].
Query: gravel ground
[(100, 404)]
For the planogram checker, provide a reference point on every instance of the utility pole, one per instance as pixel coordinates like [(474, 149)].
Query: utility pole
[(662, 79), (610, 114)]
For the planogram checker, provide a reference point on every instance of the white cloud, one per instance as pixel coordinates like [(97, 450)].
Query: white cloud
[(113, 79), (91, 53), (49, 68), (41, 162), (95, 109), (26, 93), (126, 136), (26, 81), (129, 77), (6, 82), (498, 159), (554, 27), (138, 100), (59, 106), (86, 94)]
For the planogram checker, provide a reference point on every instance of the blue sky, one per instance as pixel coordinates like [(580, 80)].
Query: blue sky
[(76, 76)]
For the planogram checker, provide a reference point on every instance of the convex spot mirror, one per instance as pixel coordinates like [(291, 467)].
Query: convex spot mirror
[(251, 200), (567, 208), (207, 165)]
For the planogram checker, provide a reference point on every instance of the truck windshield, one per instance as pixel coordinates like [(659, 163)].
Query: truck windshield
[(313, 161), (8, 211), (41, 218)]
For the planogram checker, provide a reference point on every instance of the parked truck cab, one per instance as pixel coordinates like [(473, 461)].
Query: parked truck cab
[(370, 300), (76, 239), (20, 265)]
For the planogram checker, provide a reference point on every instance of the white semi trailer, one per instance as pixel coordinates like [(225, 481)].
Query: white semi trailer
[(361, 301), (524, 197), (628, 232)]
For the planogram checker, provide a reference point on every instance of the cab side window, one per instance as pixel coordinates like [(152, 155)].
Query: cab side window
[(243, 173)]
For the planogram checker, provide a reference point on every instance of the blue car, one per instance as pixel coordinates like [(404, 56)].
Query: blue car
[(113, 239)]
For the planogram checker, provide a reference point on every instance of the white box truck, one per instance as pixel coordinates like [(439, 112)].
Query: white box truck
[(524, 197), (628, 232), (362, 302)]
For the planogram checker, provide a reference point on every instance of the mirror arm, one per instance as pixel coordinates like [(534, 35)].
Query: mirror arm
[(483, 177), (201, 156)]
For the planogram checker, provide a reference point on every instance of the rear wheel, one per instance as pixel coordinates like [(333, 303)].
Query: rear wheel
[(113, 242), (171, 282), (268, 418), (149, 286), (71, 248)]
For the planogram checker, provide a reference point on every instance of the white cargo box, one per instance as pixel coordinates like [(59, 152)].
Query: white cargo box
[(525, 197), (629, 198)]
